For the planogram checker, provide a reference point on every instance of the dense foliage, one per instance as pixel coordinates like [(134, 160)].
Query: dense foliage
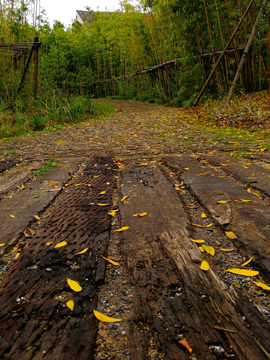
[(132, 39)]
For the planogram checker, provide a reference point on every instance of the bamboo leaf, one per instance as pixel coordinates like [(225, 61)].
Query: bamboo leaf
[(110, 261), (122, 228), (262, 285), (61, 244), (105, 318), (243, 272), (230, 235), (205, 266), (70, 305), (82, 252), (74, 285), (247, 262)]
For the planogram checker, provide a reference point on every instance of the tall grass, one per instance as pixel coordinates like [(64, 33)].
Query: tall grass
[(54, 111)]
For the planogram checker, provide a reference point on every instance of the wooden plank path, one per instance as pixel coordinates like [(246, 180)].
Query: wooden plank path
[(172, 297)]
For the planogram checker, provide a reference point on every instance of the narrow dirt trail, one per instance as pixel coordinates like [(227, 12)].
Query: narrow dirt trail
[(166, 193)]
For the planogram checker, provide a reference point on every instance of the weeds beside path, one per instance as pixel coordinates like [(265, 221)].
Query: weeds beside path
[(136, 129)]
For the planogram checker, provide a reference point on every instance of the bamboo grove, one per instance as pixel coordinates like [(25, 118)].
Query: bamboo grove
[(140, 35)]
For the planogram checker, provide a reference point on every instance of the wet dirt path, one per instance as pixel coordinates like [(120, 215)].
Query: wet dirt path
[(56, 227)]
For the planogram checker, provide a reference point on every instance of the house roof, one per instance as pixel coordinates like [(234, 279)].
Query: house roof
[(83, 16)]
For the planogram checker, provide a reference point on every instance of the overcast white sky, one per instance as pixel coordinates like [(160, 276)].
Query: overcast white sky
[(65, 10)]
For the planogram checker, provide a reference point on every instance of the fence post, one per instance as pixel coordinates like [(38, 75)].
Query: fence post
[(36, 40)]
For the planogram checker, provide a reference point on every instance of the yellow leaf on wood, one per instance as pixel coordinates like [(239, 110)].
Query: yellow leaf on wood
[(262, 285), (70, 305), (197, 241), (205, 266), (186, 345), (74, 285), (141, 214), (244, 272), (17, 255), (110, 261), (122, 228), (247, 262), (82, 252), (230, 235), (125, 197), (104, 318), (61, 244)]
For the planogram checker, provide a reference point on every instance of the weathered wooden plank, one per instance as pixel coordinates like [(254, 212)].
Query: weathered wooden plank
[(174, 298), (253, 172), (17, 176), (25, 204), (249, 221), (34, 321)]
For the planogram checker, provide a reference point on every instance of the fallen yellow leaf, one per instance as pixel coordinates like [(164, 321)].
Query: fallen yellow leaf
[(12, 216), (141, 214), (125, 197), (102, 192), (82, 252), (112, 212), (37, 217), (61, 244), (107, 183), (226, 249), (262, 285), (110, 261), (222, 201), (244, 272), (203, 215), (201, 226), (132, 190), (104, 318), (2, 244), (70, 305), (201, 248), (247, 262), (74, 285), (209, 249), (122, 228), (17, 255), (102, 204), (185, 344), (197, 241), (230, 235), (205, 266)]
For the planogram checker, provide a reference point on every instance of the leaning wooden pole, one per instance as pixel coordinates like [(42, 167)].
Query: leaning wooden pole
[(223, 53), (240, 67)]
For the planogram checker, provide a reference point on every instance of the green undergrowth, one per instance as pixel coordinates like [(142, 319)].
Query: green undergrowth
[(21, 116), (46, 167)]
